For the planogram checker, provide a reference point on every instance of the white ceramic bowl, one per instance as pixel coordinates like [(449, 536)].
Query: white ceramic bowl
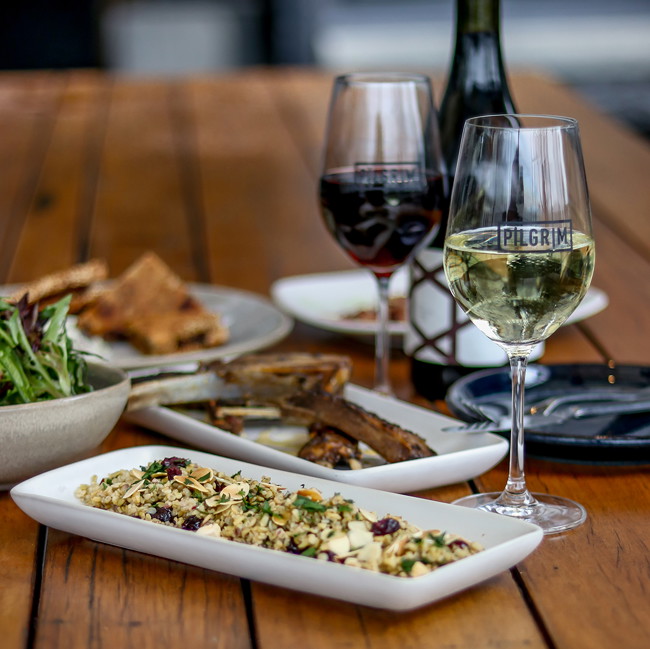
[(36, 437)]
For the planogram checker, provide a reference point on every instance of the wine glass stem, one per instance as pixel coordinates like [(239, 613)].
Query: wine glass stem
[(516, 492), (382, 344)]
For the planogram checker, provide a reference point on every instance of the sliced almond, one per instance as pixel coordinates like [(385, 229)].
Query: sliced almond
[(218, 503), (339, 545), (370, 553), (360, 538), (397, 547), (136, 486), (191, 483), (237, 490), (202, 474), (136, 473), (211, 529), (279, 519), (368, 515)]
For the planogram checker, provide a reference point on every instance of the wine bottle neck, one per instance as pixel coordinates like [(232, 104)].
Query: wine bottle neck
[(477, 83), (477, 51), (477, 16)]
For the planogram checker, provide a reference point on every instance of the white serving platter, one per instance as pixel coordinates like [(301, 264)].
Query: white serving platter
[(459, 457), (325, 300), (49, 499)]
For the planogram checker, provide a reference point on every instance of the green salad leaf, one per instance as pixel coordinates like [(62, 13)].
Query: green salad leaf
[(37, 360)]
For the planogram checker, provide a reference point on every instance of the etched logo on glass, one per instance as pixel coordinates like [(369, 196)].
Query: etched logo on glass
[(533, 236), (385, 174)]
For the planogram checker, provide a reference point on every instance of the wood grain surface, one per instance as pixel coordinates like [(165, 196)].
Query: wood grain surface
[(218, 175)]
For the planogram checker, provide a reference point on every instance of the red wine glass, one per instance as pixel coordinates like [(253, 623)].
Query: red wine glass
[(381, 188)]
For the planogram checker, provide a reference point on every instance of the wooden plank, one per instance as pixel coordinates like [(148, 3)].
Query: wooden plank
[(315, 623), (140, 204), (262, 220), (53, 234), (622, 272), (590, 585), (101, 596), (29, 105), (18, 573)]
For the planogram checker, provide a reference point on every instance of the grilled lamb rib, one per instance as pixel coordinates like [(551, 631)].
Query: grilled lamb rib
[(306, 388)]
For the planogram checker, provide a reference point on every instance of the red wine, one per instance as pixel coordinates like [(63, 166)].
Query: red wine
[(379, 214), (442, 343)]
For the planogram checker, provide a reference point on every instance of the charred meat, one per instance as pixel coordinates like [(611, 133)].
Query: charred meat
[(305, 389), (331, 447)]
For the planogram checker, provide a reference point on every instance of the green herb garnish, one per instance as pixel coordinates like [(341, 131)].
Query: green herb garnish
[(407, 565), (438, 539), (154, 467), (309, 505)]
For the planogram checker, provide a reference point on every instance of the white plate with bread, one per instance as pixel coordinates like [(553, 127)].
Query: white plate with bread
[(148, 317)]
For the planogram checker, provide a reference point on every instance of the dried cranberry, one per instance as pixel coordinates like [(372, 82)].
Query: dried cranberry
[(191, 523), (293, 548), (173, 465), (172, 471), (174, 461), (384, 526), (163, 514), (457, 543)]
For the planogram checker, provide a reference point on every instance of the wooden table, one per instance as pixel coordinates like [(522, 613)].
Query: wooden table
[(218, 175)]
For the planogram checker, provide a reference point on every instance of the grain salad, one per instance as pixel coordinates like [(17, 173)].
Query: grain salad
[(178, 493)]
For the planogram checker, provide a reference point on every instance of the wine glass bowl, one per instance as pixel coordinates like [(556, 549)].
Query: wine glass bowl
[(382, 186), (519, 256)]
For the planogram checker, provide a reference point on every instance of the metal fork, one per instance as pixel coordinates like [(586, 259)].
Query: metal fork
[(542, 419)]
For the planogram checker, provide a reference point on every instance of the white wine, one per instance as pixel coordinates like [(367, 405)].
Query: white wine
[(520, 292)]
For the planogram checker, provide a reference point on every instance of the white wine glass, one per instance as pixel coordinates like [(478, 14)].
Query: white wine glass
[(382, 187), (519, 256)]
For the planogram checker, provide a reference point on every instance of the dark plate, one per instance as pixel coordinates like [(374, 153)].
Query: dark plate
[(613, 439)]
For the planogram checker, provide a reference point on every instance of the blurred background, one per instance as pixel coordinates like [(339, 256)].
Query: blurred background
[(601, 48)]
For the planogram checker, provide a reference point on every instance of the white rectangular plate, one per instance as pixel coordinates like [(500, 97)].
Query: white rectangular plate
[(49, 498), (460, 456)]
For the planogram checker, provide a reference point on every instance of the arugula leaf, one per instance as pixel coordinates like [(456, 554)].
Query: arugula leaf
[(37, 360)]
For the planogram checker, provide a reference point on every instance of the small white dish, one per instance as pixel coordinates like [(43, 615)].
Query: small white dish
[(460, 457), (49, 499), (325, 300)]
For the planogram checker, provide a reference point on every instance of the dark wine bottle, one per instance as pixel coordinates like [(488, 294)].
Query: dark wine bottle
[(442, 343)]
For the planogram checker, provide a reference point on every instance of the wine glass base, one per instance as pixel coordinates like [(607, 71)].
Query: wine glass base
[(553, 514)]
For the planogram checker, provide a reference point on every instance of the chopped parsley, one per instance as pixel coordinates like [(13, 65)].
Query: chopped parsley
[(308, 504), (438, 539), (407, 565)]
